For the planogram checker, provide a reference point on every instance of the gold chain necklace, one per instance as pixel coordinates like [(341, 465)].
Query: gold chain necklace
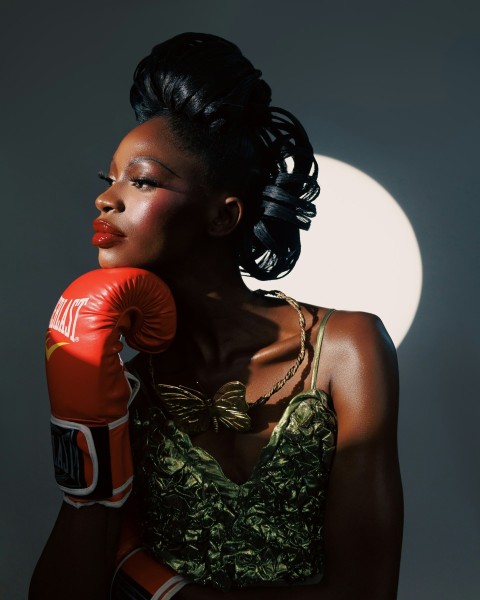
[(194, 412)]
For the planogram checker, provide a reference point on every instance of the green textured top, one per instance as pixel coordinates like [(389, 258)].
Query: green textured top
[(268, 530)]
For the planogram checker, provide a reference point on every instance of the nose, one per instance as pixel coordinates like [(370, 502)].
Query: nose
[(109, 200)]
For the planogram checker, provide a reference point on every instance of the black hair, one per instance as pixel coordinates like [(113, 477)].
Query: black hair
[(218, 105)]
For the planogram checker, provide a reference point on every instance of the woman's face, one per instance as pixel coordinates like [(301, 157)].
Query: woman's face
[(154, 212)]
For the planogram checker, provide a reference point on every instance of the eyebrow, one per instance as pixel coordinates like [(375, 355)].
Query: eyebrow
[(159, 162)]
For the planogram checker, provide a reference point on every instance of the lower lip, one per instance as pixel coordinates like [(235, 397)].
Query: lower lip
[(106, 240)]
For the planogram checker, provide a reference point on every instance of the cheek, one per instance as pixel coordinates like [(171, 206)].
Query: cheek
[(164, 230), (149, 221), (147, 230)]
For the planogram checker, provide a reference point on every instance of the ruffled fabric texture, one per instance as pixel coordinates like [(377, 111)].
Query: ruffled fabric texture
[(268, 530)]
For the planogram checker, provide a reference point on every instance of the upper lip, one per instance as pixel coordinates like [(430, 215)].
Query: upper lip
[(102, 226)]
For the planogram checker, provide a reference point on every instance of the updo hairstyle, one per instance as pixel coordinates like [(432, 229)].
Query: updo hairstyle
[(218, 106)]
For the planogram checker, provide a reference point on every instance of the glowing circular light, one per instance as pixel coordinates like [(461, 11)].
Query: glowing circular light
[(360, 253)]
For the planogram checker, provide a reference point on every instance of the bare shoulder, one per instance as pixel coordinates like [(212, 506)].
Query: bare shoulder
[(358, 331), (360, 363), (357, 339)]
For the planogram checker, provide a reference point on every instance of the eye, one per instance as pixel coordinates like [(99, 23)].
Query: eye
[(143, 183), (106, 178)]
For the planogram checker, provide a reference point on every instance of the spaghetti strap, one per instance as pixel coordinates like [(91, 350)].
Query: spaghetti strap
[(318, 347)]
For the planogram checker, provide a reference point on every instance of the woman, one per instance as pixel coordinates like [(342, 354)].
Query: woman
[(294, 490)]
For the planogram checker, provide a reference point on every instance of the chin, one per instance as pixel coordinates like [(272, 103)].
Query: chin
[(110, 264), (116, 262), (106, 263), (108, 258)]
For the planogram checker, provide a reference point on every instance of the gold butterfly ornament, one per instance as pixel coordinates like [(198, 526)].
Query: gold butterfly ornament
[(194, 412)]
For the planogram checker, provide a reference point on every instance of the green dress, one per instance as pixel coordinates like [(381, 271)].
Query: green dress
[(266, 531)]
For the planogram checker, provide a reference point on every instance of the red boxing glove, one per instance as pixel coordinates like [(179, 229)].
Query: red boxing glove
[(138, 575), (89, 388), (141, 577)]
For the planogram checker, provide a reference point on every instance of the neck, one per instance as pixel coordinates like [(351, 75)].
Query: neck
[(216, 312), (196, 289), (208, 280), (206, 305)]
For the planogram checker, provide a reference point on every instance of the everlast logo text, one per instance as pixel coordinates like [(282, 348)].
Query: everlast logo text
[(65, 315)]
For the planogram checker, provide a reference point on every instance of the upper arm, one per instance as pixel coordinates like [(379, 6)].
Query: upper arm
[(78, 559), (364, 517)]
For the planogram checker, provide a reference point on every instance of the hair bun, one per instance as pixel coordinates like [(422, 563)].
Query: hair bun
[(202, 77)]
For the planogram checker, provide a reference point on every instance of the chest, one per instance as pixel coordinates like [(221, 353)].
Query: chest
[(238, 453), (267, 375)]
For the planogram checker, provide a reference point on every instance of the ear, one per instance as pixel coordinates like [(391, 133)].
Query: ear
[(227, 217)]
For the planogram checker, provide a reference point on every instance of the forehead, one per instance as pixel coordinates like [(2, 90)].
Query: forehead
[(155, 139)]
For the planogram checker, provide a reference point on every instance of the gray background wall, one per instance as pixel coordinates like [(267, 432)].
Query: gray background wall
[(389, 87)]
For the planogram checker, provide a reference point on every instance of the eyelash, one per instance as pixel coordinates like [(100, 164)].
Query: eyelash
[(144, 182), (106, 178), (139, 182)]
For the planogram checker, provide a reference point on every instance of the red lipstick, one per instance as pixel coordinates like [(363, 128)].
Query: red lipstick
[(106, 235)]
